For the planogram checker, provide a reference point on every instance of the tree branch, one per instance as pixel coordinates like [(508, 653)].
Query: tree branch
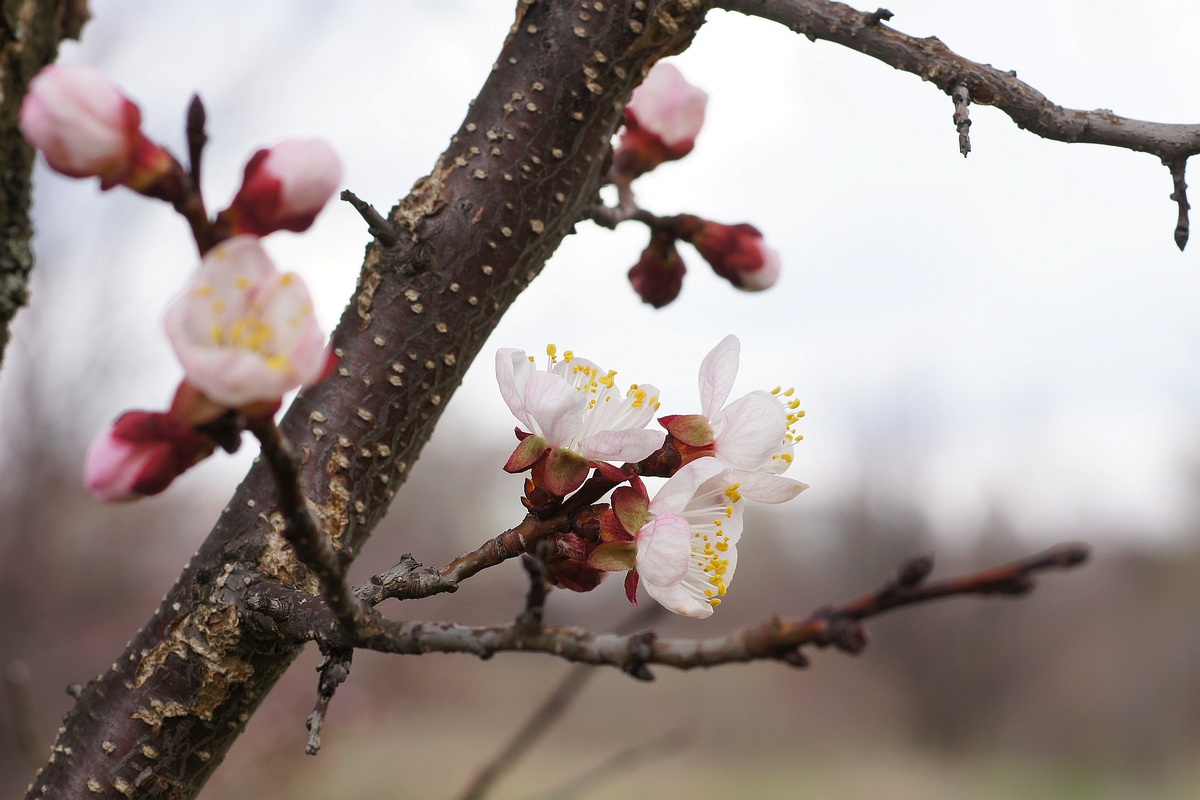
[(526, 162), (985, 85), (774, 639)]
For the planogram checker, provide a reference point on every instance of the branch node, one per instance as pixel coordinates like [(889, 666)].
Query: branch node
[(379, 227), (641, 648), (877, 16)]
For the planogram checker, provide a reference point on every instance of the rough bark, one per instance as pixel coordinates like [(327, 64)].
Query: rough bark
[(523, 167)]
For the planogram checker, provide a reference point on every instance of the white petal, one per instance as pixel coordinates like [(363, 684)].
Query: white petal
[(664, 548), (763, 488), (677, 492), (717, 371), (555, 408), (626, 445), (750, 431), (512, 377), (679, 600)]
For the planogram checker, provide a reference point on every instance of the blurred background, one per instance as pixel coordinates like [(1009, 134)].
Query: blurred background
[(995, 354)]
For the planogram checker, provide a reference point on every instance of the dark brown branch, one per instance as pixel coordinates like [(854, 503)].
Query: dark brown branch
[(933, 61), (777, 638)]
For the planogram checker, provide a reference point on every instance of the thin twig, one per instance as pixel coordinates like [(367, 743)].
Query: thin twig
[(377, 225), (1178, 168), (962, 119), (930, 59), (309, 541), (334, 669), (775, 639)]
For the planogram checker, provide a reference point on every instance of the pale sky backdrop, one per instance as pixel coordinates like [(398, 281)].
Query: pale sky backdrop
[(1016, 330)]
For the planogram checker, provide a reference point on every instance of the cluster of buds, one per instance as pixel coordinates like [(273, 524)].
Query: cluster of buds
[(680, 544), (244, 332), (662, 121)]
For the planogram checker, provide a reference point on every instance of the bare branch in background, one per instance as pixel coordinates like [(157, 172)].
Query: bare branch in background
[(984, 84)]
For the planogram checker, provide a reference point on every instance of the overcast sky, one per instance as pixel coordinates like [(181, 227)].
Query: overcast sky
[(1016, 329)]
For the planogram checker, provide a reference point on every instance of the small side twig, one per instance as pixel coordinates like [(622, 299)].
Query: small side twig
[(961, 96), (378, 226), (309, 541), (334, 669), (530, 619), (1178, 167)]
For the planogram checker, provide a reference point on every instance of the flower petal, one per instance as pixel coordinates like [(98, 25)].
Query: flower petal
[(622, 445), (750, 431), (664, 548), (717, 371), (763, 488), (553, 408), (675, 494)]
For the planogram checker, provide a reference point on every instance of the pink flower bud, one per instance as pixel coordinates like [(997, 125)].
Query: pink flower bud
[(661, 121), (141, 454), (285, 187), (86, 128), (244, 332), (738, 254), (657, 277)]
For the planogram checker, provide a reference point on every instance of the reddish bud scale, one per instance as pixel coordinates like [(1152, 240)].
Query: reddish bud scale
[(141, 454), (738, 254)]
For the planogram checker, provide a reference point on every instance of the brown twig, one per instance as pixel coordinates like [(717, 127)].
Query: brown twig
[(962, 119), (377, 225), (776, 638), (310, 543), (932, 61), (334, 669), (1178, 168)]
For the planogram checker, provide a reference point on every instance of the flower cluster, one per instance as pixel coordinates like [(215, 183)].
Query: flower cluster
[(662, 121), (680, 545), (244, 332)]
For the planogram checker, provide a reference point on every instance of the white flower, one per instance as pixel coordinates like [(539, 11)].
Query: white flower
[(687, 552), (575, 405), (754, 432), (243, 331)]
